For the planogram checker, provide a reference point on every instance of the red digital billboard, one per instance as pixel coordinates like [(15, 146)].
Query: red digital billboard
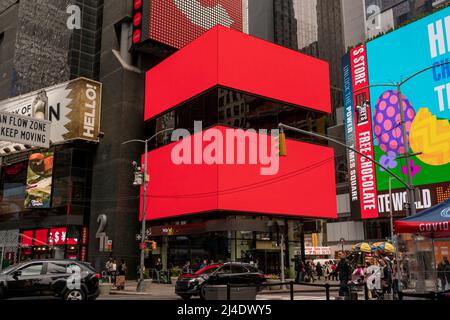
[(178, 22), (212, 176), (224, 57)]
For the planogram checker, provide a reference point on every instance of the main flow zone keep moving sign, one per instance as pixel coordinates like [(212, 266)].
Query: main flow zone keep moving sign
[(24, 130)]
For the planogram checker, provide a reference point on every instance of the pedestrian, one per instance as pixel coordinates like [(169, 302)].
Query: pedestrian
[(319, 270), (358, 274), (300, 269), (158, 268), (386, 278), (373, 279), (447, 273), (108, 267), (204, 264), (121, 275), (113, 268), (327, 271), (187, 268), (442, 276), (333, 271), (344, 272)]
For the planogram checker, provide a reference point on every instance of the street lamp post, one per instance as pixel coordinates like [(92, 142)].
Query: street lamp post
[(141, 285)]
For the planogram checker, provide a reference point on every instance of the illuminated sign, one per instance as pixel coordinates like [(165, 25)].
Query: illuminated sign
[(373, 119), (178, 22)]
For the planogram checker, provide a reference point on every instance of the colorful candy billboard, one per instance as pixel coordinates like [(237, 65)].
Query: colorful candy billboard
[(388, 60)]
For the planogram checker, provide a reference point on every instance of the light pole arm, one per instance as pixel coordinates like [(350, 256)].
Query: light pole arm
[(283, 126)]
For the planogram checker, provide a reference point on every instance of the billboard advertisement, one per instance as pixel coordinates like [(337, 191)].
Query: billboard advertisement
[(73, 109), (387, 60), (302, 186), (39, 181), (28, 130), (176, 23)]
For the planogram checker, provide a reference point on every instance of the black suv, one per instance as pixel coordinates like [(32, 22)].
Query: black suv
[(219, 274), (67, 279)]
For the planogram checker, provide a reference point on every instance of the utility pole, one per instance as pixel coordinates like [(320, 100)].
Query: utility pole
[(411, 191), (141, 283)]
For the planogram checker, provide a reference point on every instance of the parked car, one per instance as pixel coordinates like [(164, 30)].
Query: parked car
[(66, 279), (189, 285)]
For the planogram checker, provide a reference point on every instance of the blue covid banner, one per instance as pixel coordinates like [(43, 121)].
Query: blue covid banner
[(349, 123)]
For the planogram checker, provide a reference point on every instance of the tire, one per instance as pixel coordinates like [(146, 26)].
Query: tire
[(75, 295), (185, 296), (202, 292)]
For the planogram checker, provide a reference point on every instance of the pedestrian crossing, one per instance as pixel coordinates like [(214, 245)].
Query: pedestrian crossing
[(275, 297)]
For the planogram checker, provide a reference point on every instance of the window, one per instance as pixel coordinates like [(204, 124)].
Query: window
[(238, 269), (32, 270), (56, 268)]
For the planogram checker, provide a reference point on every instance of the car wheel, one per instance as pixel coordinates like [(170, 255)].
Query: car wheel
[(185, 296), (75, 295), (202, 292)]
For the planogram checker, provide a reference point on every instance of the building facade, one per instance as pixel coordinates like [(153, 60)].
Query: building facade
[(39, 55)]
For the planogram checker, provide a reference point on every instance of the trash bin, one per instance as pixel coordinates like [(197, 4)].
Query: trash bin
[(236, 293)]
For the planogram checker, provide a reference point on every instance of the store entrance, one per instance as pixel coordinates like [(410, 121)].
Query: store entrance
[(268, 261)]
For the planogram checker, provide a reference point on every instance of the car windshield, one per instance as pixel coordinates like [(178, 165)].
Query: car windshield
[(206, 270)]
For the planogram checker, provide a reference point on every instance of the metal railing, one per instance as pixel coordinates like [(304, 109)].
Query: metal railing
[(291, 284)]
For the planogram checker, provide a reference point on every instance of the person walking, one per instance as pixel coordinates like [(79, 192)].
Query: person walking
[(386, 278), (121, 275), (319, 270), (333, 271), (300, 269), (113, 267), (187, 268), (158, 268), (344, 272), (442, 276)]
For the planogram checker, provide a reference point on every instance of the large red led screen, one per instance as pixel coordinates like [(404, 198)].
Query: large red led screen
[(227, 58), (179, 22), (303, 183)]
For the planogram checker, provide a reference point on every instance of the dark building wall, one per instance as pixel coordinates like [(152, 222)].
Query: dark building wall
[(86, 42), (8, 30), (261, 19), (42, 45), (122, 119), (39, 50), (285, 24)]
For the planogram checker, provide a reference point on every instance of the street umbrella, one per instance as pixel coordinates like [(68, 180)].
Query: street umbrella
[(385, 247), (363, 247)]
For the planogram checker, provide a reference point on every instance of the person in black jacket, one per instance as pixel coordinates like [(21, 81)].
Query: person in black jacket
[(344, 272)]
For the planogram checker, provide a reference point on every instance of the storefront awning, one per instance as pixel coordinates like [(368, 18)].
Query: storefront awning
[(434, 222)]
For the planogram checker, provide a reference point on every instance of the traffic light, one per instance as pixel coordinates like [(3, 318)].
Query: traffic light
[(154, 245), (282, 144)]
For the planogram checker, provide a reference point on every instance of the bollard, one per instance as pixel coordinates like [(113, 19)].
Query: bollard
[(291, 285), (366, 292), (327, 288)]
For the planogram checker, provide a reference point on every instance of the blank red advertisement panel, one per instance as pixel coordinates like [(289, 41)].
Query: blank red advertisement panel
[(302, 184)]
